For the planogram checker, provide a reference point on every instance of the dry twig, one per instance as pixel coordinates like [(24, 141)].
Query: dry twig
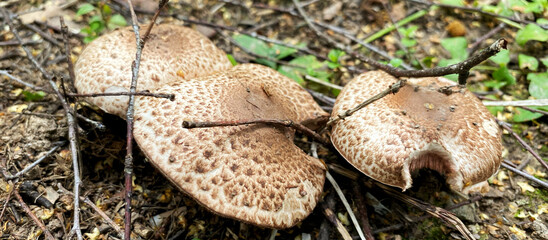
[(71, 122), (128, 163)]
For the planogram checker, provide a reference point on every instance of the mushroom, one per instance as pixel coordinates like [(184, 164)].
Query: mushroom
[(172, 53), (418, 127), (253, 173)]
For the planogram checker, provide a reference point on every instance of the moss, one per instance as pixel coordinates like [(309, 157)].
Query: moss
[(540, 194), (433, 230)]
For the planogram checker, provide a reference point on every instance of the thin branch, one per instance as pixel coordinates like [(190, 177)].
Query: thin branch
[(478, 10), (394, 88), (330, 215), (319, 81), (71, 122), (362, 209), (31, 215), (140, 93), (128, 162), (518, 103), (445, 216), (523, 143), (286, 123), (38, 161), (427, 216), (97, 209), (29, 85), (525, 175), (314, 150), (462, 68)]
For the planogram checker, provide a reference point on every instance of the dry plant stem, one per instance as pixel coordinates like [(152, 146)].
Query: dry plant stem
[(43, 34), (39, 160), (345, 203), (330, 215), (518, 103), (314, 150), (64, 31), (525, 175), (71, 122), (128, 163), (251, 53), (534, 110), (319, 81), (523, 143), (484, 37), (427, 216), (445, 216), (471, 9), (6, 203), (140, 93), (360, 204), (462, 68), (286, 123), (97, 209), (29, 85), (31, 215), (394, 88)]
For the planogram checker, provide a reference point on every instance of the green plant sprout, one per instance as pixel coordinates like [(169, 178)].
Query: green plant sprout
[(101, 17)]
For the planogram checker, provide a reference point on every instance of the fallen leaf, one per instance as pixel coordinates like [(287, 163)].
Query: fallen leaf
[(525, 187), (94, 235), (518, 232)]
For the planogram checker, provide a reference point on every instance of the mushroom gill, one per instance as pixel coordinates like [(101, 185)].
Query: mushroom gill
[(418, 127)]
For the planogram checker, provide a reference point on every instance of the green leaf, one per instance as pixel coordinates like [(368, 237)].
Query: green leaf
[(503, 76), (544, 61), (231, 59), (85, 9), (501, 58), (408, 42), (33, 96), (538, 86), (447, 62), (396, 62), (252, 44), (459, 3), (522, 115), (106, 10), (335, 54), (456, 46), (531, 32), (116, 21), (537, 6), (526, 61), (280, 52), (311, 66), (495, 109)]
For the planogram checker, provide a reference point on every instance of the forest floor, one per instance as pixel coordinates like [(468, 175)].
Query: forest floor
[(32, 123)]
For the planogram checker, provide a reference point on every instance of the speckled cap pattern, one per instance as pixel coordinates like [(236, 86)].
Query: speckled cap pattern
[(418, 127), (172, 53), (253, 173)]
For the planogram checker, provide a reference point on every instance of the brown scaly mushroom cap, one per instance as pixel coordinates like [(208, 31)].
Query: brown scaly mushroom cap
[(253, 173), (172, 52), (418, 127)]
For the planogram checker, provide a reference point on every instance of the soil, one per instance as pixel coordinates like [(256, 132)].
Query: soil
[(31, 127)]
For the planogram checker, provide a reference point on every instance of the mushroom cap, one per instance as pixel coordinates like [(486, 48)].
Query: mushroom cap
[(171, 53), (253, 173), (418, 127)]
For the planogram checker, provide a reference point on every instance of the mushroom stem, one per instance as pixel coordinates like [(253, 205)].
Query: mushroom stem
[(285, 123)]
